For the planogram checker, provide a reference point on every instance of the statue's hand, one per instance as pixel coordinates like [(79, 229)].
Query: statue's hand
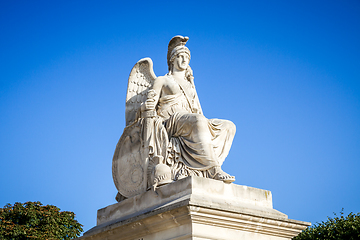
[(148, 108), (149, 104)]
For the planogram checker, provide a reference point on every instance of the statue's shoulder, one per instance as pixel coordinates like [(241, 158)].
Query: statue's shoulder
[(161, 80), (166, 77)]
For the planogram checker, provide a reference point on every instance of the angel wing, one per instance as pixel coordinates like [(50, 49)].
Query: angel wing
[(141, 79)]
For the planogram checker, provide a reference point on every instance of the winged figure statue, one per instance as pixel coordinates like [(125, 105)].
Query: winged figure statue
[(167, 137)]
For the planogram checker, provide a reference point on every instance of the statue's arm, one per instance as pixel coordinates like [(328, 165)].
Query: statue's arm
[(153, 95)]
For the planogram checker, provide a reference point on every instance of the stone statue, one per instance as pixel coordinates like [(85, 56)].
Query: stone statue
[(167, 137)]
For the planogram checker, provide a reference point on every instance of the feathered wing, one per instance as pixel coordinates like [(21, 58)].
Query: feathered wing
[(141, 79), (129, 163)]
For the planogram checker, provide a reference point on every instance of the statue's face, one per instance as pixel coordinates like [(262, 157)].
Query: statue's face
[(181, 61)]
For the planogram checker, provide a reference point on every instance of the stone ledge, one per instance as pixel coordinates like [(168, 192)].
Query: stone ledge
[(204, 191), (191, 208), (278, 227)]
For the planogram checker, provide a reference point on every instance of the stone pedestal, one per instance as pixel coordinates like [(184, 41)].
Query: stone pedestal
[(195, 208)]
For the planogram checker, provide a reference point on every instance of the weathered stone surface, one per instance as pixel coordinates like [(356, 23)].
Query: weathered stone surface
[(195, 208)]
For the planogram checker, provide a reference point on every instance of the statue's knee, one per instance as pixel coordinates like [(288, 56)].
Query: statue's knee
[(200, 118), (230, 126)]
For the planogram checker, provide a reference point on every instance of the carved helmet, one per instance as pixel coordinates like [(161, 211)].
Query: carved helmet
[(161, 175), (176, 45)]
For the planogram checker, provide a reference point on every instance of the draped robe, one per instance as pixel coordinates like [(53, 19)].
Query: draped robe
[(195, 142)]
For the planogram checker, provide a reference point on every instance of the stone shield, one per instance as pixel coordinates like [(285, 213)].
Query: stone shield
[(128, 166)]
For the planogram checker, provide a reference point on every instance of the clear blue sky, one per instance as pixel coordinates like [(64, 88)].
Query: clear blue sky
[(287, 73)]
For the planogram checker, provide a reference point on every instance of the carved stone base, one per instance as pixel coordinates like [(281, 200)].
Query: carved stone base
[(195, 208)]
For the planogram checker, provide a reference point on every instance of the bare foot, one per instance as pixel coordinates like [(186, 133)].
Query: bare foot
[(223, 176)]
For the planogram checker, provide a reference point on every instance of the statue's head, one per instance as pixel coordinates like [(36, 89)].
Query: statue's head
[(176, 47)]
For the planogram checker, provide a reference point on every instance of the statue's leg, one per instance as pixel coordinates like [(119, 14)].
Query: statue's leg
[(223, 132), (196, 135), (195, 139)]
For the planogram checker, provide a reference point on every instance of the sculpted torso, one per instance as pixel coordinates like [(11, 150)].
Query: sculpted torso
[(166, 86), (169, 85)]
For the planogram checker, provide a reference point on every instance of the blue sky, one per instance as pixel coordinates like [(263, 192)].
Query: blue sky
[(287, 73)]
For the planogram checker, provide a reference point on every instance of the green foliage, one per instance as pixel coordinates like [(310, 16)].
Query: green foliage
[(32, 220), (344, 228)]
